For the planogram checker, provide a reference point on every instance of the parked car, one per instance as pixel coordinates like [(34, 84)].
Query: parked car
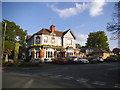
[(72, 59), (81, 60), (37, 61), (111, 59), (95, 59), (99, 58), (92, 60), (60, 60)]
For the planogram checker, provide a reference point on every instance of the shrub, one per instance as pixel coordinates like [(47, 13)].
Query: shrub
[(116, 56), (20, 64), (8, 64)]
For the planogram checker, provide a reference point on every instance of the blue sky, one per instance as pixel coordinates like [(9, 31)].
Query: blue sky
[(81, 17)]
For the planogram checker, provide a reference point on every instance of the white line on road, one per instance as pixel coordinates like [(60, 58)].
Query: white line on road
[(68, 77), (117, 86), (99, 83), (56, 76), (84, 82), (28, 84)]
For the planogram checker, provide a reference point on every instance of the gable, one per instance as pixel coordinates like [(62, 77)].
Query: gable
[(69, 34)]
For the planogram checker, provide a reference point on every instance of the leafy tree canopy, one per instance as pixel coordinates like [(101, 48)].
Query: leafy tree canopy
[(98, 40), (9, 31), (116, 51), (78, 45)]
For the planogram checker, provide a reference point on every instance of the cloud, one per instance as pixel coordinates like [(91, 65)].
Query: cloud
[(68, 12), (96, 7), (81, 39)]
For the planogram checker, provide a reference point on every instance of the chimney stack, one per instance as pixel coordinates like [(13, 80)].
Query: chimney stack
[(52, 28)]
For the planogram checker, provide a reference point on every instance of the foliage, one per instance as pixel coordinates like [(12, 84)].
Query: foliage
[(16, 51), (98, 40), (116, 56), (116, 51), (78, 45), (9, 31), (115, 25), (8, 64), (20, 64)]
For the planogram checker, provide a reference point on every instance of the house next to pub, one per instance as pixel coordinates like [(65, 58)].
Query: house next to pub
[(50, 43)]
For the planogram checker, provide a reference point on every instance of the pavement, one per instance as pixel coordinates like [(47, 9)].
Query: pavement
[(48, 75)]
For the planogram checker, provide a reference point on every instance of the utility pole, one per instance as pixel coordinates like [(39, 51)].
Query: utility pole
[(3, 40)]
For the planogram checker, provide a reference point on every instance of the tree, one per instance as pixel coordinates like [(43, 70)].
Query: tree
[(114, 26), (9, 31), (78, 45), (97, 40), (116, 51)]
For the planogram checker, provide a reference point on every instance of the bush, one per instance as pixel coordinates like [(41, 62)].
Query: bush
[(20, 64), (116, 56), (8, 64)]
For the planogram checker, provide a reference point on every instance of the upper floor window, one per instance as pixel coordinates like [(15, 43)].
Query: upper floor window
[(37, 40), (69, 42), (59, 41), (45, 39), (53, 40)]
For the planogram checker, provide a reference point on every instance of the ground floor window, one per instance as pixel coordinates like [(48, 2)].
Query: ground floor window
[(69, 54), (49, 54), (37, 54)]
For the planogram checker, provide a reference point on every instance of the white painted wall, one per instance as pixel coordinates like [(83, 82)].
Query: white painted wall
[(57, 40), (66, 37)]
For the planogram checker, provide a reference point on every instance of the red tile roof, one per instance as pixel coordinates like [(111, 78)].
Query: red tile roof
[(48, 31)]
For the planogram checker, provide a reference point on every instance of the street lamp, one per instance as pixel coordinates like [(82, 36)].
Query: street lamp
[(3, 39)]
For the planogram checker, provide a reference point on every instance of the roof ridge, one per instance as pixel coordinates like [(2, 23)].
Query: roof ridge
[(59, 31)]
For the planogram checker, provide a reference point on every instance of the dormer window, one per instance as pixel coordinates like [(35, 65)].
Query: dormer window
[(37, 40)]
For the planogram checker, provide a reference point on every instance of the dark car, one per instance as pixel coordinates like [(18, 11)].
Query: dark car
[(92, 60), (95, 59), (72, 59), (60, 60), (111, 59)]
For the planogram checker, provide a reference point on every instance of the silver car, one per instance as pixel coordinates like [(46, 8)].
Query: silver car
[(82, 60)]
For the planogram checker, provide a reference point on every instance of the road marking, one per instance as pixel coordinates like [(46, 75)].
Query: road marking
[(99, 83), (68, 77), (82, 80), (56, 76), (117, 86), (28, 84)]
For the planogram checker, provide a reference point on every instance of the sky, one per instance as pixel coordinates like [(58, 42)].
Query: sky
[(81, 17)]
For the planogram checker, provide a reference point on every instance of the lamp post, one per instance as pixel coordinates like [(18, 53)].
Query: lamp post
[(3, 41), (16, 51)]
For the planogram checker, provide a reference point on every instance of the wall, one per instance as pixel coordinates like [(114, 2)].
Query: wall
[(68, 36), (50, 38)]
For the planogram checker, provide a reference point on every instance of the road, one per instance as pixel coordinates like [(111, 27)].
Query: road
[(102, 75)]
